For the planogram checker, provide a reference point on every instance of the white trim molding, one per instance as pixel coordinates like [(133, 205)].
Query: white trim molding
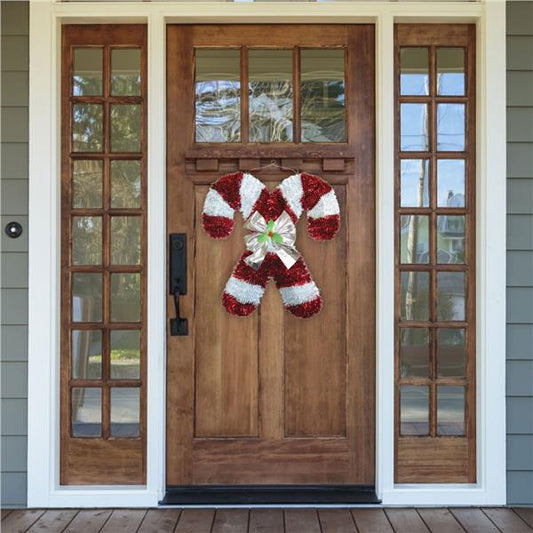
[(46, 17)]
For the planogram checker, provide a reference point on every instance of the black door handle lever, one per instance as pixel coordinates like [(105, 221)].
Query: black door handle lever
[(178, 281), (178, 326)]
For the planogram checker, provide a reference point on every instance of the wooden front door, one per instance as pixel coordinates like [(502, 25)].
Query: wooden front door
[(271, 398)]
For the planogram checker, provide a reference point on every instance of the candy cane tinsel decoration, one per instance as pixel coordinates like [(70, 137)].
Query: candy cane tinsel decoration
[(270, 217)]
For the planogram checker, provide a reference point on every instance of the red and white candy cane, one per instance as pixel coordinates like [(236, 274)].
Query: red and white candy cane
[(271, 218)]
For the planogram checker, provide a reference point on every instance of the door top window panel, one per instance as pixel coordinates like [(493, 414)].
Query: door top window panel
[(88, 71), (414, 71), (126, 71)]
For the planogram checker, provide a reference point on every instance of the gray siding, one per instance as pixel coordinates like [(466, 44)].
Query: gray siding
[(14, 257), (520, 252)]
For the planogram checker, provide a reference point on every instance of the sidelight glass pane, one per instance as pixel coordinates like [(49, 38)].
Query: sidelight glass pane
[(86, 240), (125, 411), (450, 295), (126, 240), (414, 132), (414, 297), (87, 184), (87, 71), (125, 184), (414, 239), (450, 410), (450, 127), (270, 95), (322, 98), (87, 128), (451, 239), (414, 410), (450, 71), (414, 352), (218, 95), (414, 71), (414, 177), (125, 128), (86, 412), (125, 354), (451, 183), (125, 297), (451, 353), (126, 71), (86, 354), (86, 297)]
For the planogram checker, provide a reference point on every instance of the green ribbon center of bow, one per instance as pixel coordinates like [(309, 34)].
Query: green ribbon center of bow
[(270, 234)]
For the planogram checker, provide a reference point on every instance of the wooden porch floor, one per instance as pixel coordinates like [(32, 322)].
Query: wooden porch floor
[(393, 520)]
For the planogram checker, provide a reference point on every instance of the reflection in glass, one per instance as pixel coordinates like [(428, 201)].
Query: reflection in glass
[(87, 75), (414, 410), (86, 184), (125, 184), (126, 71), (86, 354), (451, 353), (125, 297), (87, 128), (86, 412), (450, 127), (414, 297), (414, 71), (450, 410), (125, 354), (450, 296), (414, 133), (270, 95), (322, 100), (451, 183), (126, 240), (414, 177), (86, 240), (450, 71), (125, 128), (86, 297), (414, 239), (451, 239), (125, 411), (414, 352), (218, 99)]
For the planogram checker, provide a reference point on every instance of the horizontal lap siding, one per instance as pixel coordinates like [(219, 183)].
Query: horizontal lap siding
[(520, 252), (14, 256)]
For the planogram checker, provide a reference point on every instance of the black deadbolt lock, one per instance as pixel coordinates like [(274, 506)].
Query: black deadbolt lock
[(13, 230)]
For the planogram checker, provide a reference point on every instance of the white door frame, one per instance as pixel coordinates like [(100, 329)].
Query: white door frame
[(46, 17)]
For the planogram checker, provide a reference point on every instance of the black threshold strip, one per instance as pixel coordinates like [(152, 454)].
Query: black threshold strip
[(269, 494)]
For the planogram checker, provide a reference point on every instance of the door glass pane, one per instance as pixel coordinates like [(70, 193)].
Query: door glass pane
[(125, 354), (125, 411), (87, 128), (218, 99), (125, 128), (414, 134), (125, 184), (450, 127), (414, 239), (270, 95), (451, 353), (86, 354), (450, 295), (414, 352), (414, 182), (450, 71), (450, 410), (125, 297), (86, 297), (323, 112), (451, 239), (414, 410), (87, 240), (414, 297), (87, 73), (414, 71), (126, 71), (451, 183), (126, 240), (87, 184), (86, 412)]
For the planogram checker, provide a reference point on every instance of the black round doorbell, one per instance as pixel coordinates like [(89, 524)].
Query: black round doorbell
[(13, 229)]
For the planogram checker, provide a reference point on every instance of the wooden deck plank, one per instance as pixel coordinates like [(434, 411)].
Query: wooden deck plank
[(231, 521), (89, 520), (53, 521), (440, 520), (126, 520), (406, 521), (371, 521), (159, 521), (473, 520), (526, 514), (195, 521), (21, 520), (300, 520), (266, 521), (507, 520), (336, 521), (6, 513)]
